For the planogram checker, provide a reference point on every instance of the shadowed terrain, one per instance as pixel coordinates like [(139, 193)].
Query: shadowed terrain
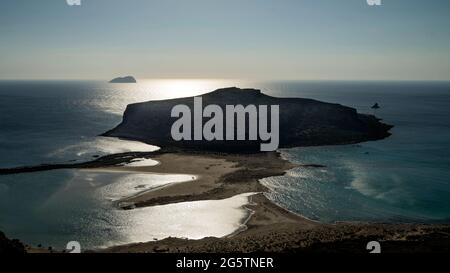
[(303, 122), (10, 246)]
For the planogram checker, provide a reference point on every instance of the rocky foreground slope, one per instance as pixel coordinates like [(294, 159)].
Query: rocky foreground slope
[(10, 246)]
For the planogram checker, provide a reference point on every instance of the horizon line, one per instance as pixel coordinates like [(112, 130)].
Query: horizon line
[(224, 79)]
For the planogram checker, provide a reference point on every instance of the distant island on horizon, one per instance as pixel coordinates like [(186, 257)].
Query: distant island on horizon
[(126, 79)]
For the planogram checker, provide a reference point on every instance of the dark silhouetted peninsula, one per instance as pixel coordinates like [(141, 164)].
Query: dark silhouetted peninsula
[(8, 246), (303, 122), (127, 79)]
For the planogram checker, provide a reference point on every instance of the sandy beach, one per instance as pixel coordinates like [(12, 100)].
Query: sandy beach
[(270, 227), (218, 176)]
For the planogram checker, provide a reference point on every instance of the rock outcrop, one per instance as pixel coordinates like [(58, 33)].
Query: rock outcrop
[(303, 122), (8, 246)]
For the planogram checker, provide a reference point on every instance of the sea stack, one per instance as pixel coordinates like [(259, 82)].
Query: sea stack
[(126, 79)]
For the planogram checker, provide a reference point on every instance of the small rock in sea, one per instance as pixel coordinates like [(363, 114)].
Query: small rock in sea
[(127, 205)]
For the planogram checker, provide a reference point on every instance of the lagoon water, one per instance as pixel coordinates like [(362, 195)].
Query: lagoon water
[(405, 177)]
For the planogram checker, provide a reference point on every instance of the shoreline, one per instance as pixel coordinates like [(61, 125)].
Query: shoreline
[(268, 227), (218, 176)]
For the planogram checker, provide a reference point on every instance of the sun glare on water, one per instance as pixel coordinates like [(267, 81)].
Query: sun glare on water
[(177, 88), (115, 97)]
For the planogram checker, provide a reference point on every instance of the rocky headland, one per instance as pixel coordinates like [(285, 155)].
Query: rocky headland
[(302, 122)]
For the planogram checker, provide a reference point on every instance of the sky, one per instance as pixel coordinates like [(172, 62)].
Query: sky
[(241, 39)]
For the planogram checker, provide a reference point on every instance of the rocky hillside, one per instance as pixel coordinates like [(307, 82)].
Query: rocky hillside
[(8, 246), (303, 122)]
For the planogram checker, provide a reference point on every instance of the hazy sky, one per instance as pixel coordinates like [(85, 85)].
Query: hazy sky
[(264, 39)]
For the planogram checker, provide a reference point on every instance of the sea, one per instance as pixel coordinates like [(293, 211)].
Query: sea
[(403, 178)]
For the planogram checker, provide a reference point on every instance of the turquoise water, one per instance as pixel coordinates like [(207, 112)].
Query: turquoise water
[(405, 177)]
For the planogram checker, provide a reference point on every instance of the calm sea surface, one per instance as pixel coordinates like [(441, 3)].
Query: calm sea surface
[(405, 177)]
